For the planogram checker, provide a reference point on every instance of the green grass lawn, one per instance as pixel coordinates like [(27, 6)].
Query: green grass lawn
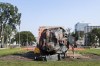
[(90, 51), (4, 52), (51, 63), (48, 63)]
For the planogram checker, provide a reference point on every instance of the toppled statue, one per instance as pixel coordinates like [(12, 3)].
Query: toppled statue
[(53, 40)]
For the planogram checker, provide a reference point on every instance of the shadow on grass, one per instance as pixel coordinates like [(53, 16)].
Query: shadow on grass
[(31, 55)]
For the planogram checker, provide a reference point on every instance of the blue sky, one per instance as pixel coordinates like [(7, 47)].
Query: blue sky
[(65, 13)]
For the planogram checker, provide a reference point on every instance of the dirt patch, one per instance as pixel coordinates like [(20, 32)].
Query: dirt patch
[(92, 56), (29, 56), (81, 49), (87, 57), (79, 57), (14, 57)]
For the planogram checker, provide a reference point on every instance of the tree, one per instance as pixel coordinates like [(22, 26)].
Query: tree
[(9, 16), (25, 36), (93, 36), (98, 35), (75, 35), (8, 32)]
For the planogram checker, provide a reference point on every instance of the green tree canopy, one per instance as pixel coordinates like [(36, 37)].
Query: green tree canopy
[(91, 38), (25, 36), (75, 35), (9, 15), (94, 35), (9, 19)]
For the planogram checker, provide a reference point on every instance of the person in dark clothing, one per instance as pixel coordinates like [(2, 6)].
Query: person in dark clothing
[(67, 44)]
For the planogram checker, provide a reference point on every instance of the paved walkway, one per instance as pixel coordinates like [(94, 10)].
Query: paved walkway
[(2, 48)]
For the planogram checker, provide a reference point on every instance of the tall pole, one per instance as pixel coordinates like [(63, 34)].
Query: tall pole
[(7, 36), (2, 37), (19, 35), (7, 39), (27, 39)]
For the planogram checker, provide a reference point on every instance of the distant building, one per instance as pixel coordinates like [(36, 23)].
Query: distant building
[(90, 28), (80, 26)]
